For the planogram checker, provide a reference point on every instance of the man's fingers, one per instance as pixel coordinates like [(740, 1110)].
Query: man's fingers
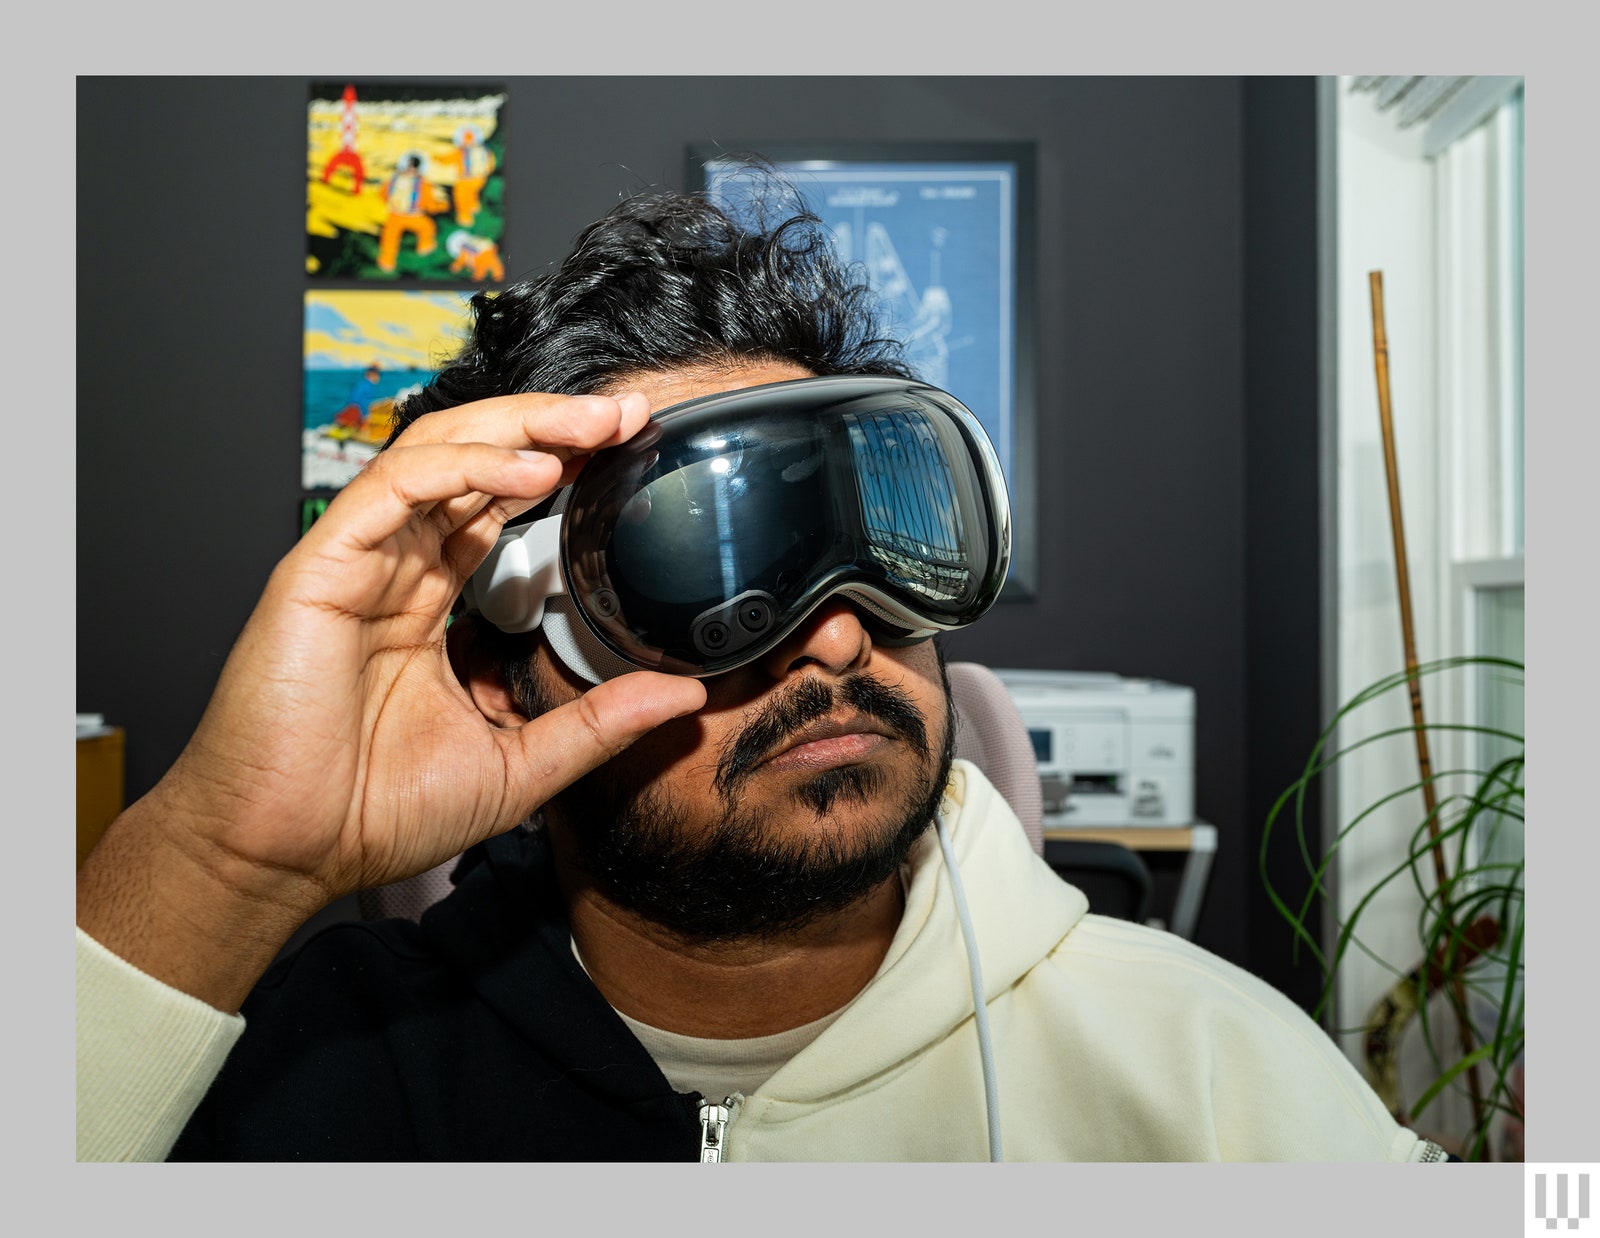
[(558, 748), (569, 429), (404, 481), (565, 426)]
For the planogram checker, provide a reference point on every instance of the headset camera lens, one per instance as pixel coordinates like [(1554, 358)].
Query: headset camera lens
[(755, 616)]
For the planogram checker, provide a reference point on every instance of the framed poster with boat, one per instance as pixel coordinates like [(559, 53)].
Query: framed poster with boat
[(365, 349)]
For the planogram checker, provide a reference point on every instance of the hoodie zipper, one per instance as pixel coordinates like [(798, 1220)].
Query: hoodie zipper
[(714, 1120)]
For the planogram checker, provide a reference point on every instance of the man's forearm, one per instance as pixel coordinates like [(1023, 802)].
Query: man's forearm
[(197, 921)]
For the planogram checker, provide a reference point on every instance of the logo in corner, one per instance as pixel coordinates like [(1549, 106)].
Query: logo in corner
[(1558, 1198)]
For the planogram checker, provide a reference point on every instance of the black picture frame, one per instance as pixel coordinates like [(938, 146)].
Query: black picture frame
[(947, 233)]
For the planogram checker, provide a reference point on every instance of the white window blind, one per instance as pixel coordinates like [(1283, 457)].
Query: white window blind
[(1450, 107)]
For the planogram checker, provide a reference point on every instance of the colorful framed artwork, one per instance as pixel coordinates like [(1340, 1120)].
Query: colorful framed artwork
[(364, 349), (311, 508), (405, 182), (945, 232)]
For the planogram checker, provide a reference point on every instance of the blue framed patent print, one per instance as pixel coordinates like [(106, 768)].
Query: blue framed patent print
[(945, 233)]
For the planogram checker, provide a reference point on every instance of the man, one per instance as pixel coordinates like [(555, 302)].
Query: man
[(352, 413), (473, 163), (410, 200), (733, 934)]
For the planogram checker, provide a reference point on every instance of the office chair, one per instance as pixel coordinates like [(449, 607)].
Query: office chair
[(991, 734), (1115, 879)]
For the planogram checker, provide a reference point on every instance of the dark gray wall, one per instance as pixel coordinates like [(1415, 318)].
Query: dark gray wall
[(190, 279), (1284, 606)]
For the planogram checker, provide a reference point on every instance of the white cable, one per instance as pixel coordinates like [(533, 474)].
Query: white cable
[(980, 1007)]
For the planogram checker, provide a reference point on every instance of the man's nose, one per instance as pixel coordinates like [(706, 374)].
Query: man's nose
[(831, 637)]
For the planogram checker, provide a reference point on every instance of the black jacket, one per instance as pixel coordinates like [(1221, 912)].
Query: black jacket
[(474, 1036)]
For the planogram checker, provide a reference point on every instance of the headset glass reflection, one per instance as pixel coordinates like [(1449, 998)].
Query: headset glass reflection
[(707, 538)]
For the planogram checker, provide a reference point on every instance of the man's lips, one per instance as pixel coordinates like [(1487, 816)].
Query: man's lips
[(827, 743)]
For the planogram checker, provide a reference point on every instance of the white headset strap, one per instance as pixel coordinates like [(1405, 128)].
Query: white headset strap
[(519, 588), (511, 585)]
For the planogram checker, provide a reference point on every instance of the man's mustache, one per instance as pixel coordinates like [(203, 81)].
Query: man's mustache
[(811, 698)]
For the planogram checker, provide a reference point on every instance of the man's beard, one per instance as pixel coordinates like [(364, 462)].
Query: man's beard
[(740, 876)]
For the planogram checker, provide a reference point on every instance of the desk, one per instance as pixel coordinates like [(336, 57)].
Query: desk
[(1198, 840), (100, 786)]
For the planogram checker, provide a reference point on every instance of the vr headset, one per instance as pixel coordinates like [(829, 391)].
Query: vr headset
[(706, 539)]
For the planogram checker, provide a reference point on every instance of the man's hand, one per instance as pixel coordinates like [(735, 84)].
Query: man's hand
[(339, 751)]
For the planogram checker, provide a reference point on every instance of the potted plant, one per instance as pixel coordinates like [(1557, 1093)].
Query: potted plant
[(1460, 992)]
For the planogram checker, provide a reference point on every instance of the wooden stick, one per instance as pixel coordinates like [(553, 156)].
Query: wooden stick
[(1380, 351)]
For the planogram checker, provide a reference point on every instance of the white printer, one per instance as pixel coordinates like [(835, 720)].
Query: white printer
[(1112, 751)]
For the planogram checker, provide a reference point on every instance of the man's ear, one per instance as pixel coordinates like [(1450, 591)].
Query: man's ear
[(477, 658)]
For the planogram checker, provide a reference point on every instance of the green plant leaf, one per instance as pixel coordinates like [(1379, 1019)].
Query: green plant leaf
[(1450, 861)]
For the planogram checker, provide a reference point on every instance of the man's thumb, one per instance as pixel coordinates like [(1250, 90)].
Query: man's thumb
[(564, 744)]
